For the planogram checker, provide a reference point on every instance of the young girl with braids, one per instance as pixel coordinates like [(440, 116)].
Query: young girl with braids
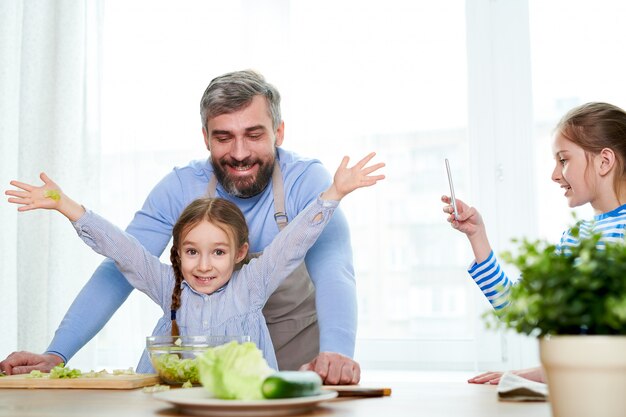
[(211, 288)]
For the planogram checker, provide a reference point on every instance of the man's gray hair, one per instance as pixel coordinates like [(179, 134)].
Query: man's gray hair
[(234, 91)]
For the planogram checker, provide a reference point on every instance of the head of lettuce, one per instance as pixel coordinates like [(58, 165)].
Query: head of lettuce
[(233, 371)]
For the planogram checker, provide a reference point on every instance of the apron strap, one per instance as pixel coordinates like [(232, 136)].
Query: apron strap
[(211, 189), (280, 216)]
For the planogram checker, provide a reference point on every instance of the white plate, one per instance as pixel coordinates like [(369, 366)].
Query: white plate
[(198, 401)]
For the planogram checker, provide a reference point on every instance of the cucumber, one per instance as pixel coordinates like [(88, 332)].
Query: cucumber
[(290, 384)]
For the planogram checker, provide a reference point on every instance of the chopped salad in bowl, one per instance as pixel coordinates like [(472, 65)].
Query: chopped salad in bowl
[(174, 358)]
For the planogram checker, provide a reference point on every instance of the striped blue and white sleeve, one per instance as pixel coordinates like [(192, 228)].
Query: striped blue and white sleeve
[(492, 281)]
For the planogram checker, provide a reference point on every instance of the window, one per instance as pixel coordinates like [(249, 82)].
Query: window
[(479, 82), (355, 76)]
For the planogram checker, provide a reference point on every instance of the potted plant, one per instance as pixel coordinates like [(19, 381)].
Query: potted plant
[(575, 303)]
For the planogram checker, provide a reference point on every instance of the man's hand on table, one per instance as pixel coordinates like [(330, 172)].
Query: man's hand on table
[(334, 368), (24, 362)]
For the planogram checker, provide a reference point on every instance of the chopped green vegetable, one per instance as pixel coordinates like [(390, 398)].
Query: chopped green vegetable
[(174, 370), (156, 388), (94, 374), (234, 371), (60, 371), (187, 384), (127, 371), (53, 194)]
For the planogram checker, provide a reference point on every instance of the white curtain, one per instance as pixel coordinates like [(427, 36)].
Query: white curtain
[(49, 54)]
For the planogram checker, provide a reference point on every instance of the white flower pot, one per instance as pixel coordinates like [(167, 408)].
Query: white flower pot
[(586, 375)]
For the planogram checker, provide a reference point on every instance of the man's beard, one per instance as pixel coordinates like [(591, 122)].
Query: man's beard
[(243, 187)]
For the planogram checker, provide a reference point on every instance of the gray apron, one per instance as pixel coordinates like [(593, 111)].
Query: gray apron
[(290, 311)]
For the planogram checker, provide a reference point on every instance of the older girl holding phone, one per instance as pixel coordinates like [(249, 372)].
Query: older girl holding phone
[(589, 149)]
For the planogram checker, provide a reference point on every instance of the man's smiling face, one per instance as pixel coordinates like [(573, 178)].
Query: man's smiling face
[(243, 148)]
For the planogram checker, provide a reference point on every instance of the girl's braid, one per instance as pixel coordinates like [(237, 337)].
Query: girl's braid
[(175, 260)]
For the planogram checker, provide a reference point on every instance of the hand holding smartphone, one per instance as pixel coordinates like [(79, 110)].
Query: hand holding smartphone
[(452, 196)]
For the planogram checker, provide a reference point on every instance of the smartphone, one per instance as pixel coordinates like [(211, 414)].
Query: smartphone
[(452, 197)]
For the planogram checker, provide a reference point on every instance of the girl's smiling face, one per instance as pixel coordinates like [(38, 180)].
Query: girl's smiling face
[(573, 171), (208, 257)]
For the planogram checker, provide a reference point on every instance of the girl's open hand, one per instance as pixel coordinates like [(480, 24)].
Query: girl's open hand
[(469, 220), (347, 179), (46, 196)]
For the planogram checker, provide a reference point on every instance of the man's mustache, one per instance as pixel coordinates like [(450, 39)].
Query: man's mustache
[(235, 163)]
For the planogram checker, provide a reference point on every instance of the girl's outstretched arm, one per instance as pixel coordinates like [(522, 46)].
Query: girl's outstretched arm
[(47, 196)]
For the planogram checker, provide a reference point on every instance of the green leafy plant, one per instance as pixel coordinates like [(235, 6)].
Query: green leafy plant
[(582, 292)]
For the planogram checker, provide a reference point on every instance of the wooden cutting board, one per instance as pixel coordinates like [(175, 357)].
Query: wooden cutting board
[(358, 391), (108, 381)]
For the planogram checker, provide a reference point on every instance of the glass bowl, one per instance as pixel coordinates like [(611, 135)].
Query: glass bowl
[(174, 357)]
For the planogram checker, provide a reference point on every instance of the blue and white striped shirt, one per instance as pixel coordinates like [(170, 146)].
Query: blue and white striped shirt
[(494, 283), (236, 308)]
